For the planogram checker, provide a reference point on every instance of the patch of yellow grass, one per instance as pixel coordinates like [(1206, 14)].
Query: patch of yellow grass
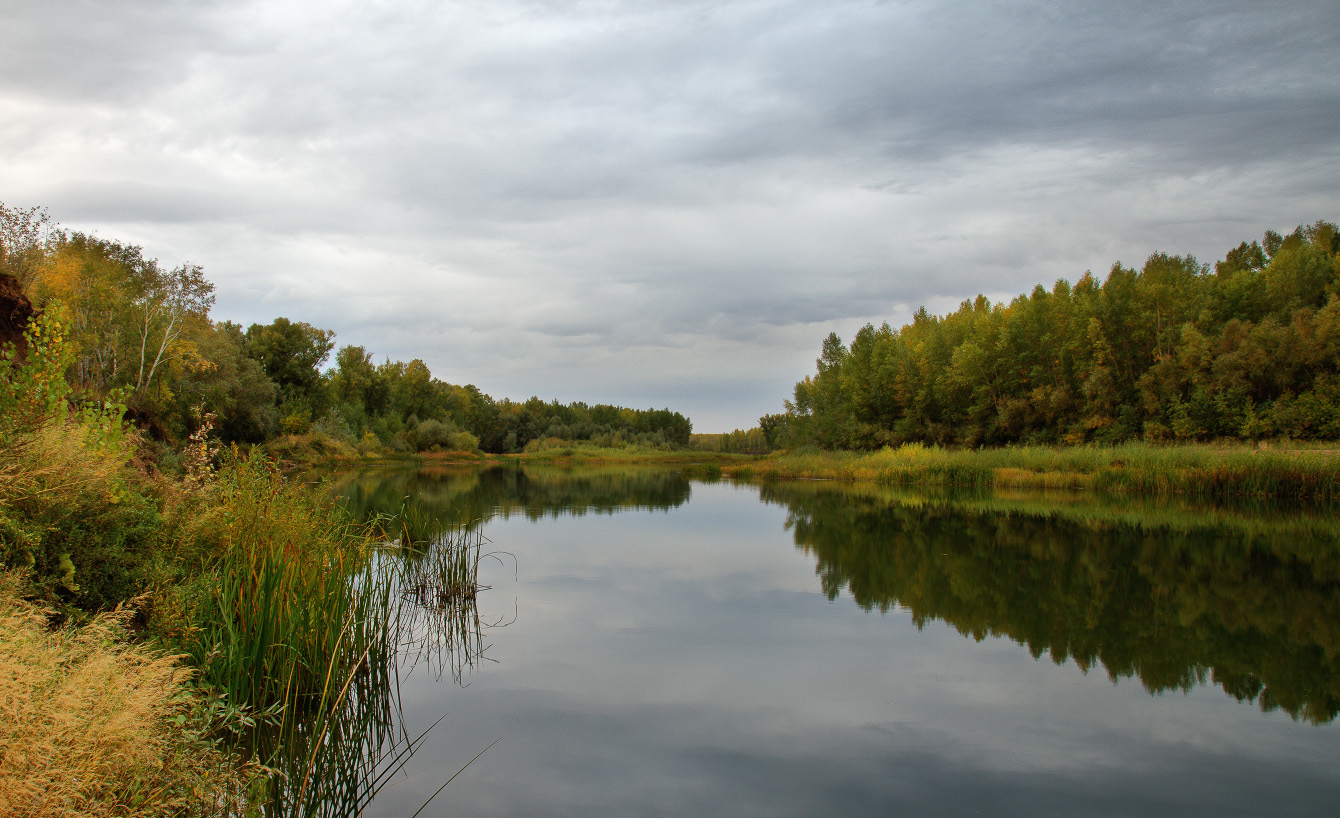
[(91, 725), (1007, 477), (55, 460)]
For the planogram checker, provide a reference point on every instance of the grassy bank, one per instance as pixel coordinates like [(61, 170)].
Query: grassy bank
[(256, 601), (93, 724), (1278, 472)]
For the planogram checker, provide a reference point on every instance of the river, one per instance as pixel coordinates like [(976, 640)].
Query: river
[(643, 644)]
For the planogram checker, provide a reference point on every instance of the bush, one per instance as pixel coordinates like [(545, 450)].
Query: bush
[(76, 516), (437, 435)]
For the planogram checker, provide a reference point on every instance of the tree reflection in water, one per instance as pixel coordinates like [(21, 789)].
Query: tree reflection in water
[(1178, 596)]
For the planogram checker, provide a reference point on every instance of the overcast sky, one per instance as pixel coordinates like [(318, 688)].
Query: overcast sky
[(663, 204)]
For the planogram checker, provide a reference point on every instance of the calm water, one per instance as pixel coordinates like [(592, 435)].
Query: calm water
[(655, 646)]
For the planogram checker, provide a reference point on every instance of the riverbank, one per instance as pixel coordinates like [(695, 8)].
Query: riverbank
[(95, 724), (1280, 471)]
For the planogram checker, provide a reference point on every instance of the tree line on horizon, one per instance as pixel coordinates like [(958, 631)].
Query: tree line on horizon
[(1174, 351), (141, 335)]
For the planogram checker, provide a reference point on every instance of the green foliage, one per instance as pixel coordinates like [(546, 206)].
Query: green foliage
[(751, 441), (139, 334), (69, 509), (35, 390), (436, 435), (229, 384), (280, 603), (291, 353), (1167, 353)]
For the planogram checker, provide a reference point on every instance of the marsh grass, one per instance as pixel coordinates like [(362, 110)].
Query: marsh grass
[(291, 597), (413, 525), (442, 623), (290, 627), (332, 754), (298, 624), (304, 619), (1137, 468)]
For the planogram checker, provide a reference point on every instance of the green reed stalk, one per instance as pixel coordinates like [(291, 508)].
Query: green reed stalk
[(289, 599)]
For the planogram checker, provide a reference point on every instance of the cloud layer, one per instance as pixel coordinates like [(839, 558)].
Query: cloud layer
[(656, 203)]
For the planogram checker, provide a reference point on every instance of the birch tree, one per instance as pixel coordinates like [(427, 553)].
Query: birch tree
[(165, 304)]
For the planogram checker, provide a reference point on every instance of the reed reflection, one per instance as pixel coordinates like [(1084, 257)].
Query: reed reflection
[(332, 753), (1176, 596), (440, 622)]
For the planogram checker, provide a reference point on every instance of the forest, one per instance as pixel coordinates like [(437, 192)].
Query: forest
[(1172, 352), (141, 336)]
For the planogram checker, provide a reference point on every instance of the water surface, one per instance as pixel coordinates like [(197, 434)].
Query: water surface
[(667, 647)]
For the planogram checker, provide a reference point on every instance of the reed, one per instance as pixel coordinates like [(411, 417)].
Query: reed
[(413, 525), (292, 597), (297, 625), (333, 753), (1304, 474)]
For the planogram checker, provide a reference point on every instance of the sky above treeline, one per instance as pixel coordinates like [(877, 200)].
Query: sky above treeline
[(661, 204)]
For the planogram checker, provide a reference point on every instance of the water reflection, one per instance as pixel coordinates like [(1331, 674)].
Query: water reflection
[(464, 494), (691, 663), (440, 623), (1172, 594)]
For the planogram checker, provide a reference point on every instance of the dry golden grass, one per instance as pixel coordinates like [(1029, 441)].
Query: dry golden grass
[(53, 460), (91, 725)]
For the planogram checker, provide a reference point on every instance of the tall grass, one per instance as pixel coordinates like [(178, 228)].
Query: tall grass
[(335, 752), (300, 620), (413, 525), (291, 599), (92, 725), (1134, 468)]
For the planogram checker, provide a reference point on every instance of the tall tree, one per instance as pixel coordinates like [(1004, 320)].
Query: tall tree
[(167, 304), (291, 353)]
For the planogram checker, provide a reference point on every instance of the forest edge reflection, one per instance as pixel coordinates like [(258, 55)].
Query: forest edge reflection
[(1174, 593)]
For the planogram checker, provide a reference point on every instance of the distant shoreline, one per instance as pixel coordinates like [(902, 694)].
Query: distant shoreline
[(1285, 470), (1288, 472)]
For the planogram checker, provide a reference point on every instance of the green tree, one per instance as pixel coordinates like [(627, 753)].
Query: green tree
[(291, 354)]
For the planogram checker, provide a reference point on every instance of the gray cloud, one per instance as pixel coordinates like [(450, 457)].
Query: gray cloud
[(634, 191)]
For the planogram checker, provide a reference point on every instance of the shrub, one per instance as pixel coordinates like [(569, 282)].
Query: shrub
[(75, 515)]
